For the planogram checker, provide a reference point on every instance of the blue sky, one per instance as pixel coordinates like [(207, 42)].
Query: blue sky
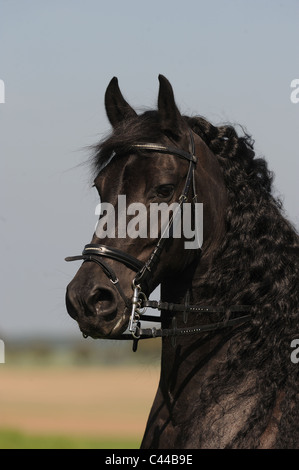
[(230, 61)]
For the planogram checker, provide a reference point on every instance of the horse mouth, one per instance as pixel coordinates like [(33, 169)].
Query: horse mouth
[(96, 328)]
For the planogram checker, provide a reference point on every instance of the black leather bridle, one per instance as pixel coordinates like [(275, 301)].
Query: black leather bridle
[(139, 302)]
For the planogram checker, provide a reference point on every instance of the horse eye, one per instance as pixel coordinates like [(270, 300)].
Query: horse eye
[(165, 190)]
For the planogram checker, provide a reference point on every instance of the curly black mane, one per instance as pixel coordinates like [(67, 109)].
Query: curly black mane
[(257, 264)]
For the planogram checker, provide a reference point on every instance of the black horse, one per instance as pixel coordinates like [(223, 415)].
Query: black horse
[(229, 308)]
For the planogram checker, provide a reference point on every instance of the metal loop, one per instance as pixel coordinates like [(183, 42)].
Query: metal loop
[(141, 309), (134, 285), (136, 333)]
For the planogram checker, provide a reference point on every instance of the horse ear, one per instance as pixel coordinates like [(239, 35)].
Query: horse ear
[(117, 108), (170, 117)]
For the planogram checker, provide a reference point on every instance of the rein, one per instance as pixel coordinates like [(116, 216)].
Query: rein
[(139, 302)]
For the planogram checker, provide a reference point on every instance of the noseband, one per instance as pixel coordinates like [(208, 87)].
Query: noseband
[(139, 302)]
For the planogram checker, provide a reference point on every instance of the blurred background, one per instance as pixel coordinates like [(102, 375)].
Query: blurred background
[(230, 61)]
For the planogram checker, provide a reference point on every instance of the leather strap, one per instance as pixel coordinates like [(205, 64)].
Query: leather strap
[(171, 307), (151, 147), (109, 252), (147, 333), (146, 271)]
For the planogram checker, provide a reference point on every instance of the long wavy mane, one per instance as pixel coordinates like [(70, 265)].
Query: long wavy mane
[(256, 264)]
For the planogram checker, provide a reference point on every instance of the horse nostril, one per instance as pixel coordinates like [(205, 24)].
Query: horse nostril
[(90, 302), (103, 302)]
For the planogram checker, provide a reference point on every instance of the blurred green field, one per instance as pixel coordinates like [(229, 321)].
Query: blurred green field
[(12, 439), (78, 399)]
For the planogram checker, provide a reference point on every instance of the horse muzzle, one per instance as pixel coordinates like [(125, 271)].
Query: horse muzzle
[(97, 309)]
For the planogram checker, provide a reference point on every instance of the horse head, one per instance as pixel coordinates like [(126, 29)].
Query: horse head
[(153, 160)]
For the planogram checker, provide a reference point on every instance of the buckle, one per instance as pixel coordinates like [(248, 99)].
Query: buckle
[(137, 309)]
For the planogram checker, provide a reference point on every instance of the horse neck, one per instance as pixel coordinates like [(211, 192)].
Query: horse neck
[(191, 388), (188, 364), (191, 349)]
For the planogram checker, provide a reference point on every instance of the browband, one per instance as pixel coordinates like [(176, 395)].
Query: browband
[(151, 147)]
